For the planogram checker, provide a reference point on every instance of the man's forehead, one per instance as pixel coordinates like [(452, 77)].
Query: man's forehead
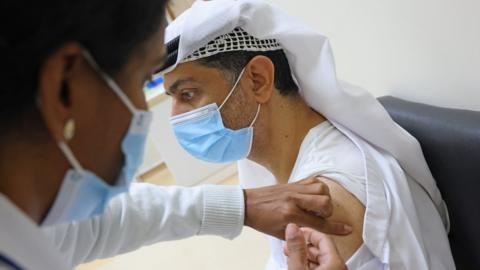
[(193, 70), (192, 73)]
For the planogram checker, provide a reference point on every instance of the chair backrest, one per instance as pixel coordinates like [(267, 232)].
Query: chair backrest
[(450, 140)]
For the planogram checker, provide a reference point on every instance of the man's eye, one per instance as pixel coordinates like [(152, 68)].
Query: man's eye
[(187, 95)]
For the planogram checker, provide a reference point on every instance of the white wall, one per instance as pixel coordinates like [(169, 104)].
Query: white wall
[(421, 50)]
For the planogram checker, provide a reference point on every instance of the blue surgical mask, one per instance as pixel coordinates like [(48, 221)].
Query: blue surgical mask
[(202, 134), (83, 194)]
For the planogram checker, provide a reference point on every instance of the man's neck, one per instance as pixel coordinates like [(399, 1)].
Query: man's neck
[(288, 124)]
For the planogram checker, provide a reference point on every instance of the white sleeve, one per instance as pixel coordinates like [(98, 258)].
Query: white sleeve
[(149, 214)]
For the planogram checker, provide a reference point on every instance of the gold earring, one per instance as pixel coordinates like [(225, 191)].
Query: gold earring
[(69, 130)]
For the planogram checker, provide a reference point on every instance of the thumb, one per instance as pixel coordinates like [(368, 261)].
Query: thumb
[(297, 248)]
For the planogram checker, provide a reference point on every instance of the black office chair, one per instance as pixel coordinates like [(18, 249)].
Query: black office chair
[(450, 140)]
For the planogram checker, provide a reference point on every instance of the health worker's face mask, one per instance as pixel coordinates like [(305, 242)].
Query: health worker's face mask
[(202, 134), (83, 194)]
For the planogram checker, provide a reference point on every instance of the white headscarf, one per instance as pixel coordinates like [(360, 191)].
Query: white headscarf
[(311, 61)]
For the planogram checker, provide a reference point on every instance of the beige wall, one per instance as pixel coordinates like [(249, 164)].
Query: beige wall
[(176, 7), (247, 252)]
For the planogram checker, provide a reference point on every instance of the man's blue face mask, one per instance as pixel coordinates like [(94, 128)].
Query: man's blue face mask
[(202, 134), (83, 194)]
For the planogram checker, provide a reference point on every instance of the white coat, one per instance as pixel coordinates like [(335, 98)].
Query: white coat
[(146, 215)]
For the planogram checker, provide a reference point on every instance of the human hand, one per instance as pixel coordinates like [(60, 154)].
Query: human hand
[(308, 249), (306, 203)]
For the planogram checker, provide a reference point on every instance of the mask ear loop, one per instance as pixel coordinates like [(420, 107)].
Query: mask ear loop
[(256, 115), (110, 82), (233, 89), (70, 157), (67, 152), (116, 89)]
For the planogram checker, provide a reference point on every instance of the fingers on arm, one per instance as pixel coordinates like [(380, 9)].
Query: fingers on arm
[(320, 205), (320, 240), (309, 219)]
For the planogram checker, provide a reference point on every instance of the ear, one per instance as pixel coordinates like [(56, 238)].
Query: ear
[(53, 88), (261, 71)]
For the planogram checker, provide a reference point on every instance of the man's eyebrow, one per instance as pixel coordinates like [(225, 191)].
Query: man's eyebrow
[(174, 87)]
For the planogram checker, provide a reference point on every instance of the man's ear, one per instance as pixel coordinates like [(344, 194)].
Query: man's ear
[(261, 71), (53, 88)]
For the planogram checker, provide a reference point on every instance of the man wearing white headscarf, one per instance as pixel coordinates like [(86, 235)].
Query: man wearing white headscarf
[(234, 71)]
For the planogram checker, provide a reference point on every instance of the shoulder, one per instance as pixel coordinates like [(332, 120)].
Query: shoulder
[(325, 148)]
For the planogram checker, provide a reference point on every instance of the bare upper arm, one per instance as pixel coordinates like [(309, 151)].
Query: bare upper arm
[(348, 209)]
